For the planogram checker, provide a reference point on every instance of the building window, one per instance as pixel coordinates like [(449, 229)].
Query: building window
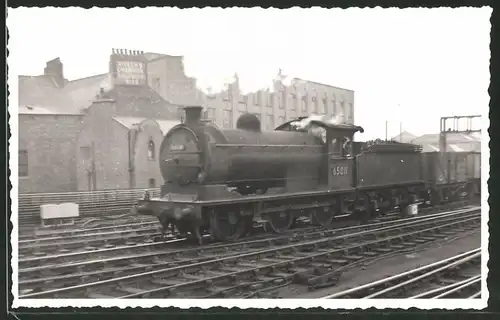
[(210, 113), (226, 95), (256, 98), (334, 106), (270, 99), (282, 100), (304, 103), (281, 120), (243, 99), (294, 101), (227, 122), (270, 122), (23, 163), (351, 112), (151, 149), (324, 106), (315, 104), (152, 183), (342, 110)]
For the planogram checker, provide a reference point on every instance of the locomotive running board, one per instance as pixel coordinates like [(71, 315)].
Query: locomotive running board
[(240, 199)]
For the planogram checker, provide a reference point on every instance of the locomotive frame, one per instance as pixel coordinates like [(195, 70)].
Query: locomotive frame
[(349, 190)]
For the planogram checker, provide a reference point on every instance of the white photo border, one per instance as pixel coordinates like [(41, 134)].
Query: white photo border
[(426, 304)]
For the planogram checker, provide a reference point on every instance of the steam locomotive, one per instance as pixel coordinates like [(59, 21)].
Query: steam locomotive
[(223, 180)]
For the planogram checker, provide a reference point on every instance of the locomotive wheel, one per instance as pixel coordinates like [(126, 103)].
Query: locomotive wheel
[(322, 218), (230, 226), (279, 222)]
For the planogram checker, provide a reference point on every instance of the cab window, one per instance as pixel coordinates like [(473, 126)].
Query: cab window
[(347, 147), (341, 146), (336, 147)]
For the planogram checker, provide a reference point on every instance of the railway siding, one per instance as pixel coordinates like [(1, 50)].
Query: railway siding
[(273, 265), (383, 268), (405, 284)]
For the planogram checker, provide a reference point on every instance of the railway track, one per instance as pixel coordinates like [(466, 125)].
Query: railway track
[(84, 226), (62, 259), (129, 234), (242, 268), (455, 277), (85, 240)]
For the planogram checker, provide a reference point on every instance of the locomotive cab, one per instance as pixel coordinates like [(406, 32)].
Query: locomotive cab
[(339, 142), (338, 148)]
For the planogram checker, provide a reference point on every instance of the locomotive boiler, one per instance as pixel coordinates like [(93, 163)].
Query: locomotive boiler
[(195, 154)]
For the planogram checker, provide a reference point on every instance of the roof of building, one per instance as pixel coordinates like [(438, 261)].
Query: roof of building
[(142, 101), (404, 136), (457, 142), (79, 94), (461, 147), (130, 122), (298, 80), (151, 56), (70, 99), (31, 109), (451, 137)]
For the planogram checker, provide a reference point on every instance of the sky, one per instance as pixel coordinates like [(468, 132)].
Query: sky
[(407, 67)]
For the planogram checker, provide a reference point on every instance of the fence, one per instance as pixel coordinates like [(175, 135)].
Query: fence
[(91, 203)]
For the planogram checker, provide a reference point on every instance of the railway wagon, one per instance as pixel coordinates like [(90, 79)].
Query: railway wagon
[(221, 181), (452, 175)]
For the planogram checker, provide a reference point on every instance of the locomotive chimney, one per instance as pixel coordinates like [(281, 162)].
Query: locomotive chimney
[(193, 114)]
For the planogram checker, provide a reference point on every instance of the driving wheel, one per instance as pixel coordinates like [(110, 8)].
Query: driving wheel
[(279, 222), (229, 226), (322, 217)]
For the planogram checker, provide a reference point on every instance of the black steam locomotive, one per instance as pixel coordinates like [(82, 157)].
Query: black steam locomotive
[(222, 181)]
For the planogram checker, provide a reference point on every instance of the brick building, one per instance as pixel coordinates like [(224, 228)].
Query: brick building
[(70, 134), (274, 107), (47, 161), (118, 145)]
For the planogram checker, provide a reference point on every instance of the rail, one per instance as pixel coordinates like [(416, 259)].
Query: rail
[(405, 280)]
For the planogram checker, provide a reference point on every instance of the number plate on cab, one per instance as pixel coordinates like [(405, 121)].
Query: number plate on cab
[(340, 170)]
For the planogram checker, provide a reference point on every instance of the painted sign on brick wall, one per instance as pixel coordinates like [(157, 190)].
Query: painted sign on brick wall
[(128, 67)]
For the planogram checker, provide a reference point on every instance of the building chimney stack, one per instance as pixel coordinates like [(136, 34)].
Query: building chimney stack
[(54, 69)]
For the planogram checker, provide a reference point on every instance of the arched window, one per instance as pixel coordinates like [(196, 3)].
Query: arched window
[(151, 149), (334, 106)]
